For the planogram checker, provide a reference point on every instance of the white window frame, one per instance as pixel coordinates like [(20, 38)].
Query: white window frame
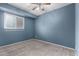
[(15, 20)]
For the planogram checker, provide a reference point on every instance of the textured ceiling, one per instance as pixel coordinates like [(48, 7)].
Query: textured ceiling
[(28, 7)]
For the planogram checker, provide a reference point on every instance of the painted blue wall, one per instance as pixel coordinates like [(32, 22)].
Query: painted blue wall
[(8, 37), (57, 26)]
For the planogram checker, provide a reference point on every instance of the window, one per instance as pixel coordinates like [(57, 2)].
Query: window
[(13, 22)]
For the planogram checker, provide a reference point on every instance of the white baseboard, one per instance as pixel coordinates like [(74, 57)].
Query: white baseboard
[(55, 44)]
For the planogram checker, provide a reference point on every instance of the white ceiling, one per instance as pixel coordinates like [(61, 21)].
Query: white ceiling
[(28, 7)]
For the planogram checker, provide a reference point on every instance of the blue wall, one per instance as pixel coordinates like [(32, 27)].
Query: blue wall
[(57, 26), (8, 37)]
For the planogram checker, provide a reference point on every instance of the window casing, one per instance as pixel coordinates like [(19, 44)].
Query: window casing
[(13, 21)]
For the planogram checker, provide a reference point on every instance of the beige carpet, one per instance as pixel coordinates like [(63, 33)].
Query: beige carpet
[(34, 47)]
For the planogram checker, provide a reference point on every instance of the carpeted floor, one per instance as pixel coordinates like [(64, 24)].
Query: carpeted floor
[(35, 47)]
